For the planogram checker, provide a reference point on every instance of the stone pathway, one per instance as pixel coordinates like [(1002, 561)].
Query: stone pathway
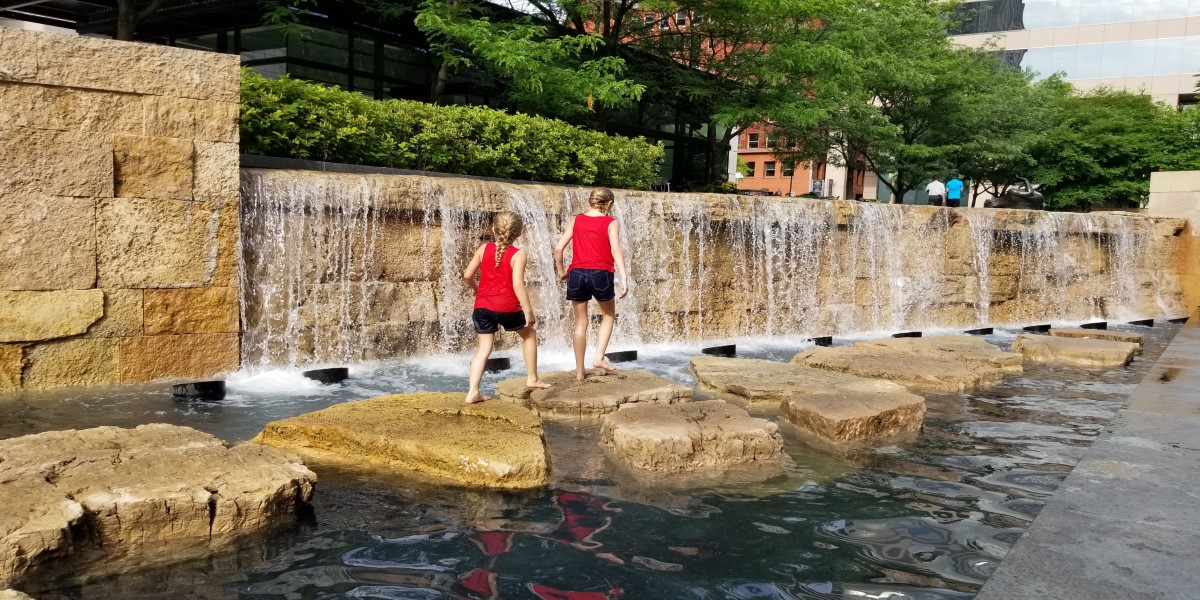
[(1124, 524), (600, 393), (916, 371), (1101, 334), (1075, 352), (689, 436)]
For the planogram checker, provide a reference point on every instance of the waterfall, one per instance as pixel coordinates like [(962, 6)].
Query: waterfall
[(342, 267)]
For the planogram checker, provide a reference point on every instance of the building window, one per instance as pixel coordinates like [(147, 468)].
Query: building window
[(665, 22), (772, 140), (752, 140), (769, 169), (681, 18), (749, 169), (650, 18), (789, 169)]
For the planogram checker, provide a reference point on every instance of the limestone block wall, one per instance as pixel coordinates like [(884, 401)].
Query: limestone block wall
[(118, 211), (1177, 194)]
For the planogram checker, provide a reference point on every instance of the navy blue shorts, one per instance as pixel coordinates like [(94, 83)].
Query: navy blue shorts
[(490, 321), (585, 284)]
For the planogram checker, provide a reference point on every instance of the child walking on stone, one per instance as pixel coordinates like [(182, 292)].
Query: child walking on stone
[(595, 254), (501, 301)]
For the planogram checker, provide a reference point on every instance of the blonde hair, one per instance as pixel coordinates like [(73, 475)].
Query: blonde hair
[(506, 227), (601, 200)]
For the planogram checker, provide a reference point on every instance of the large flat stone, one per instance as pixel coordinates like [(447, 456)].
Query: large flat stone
[(152, 167), (47, 242), (191, 119), (964, 348), (598, 394), (65, 163), (36, 316), (910, 370), (154, 243), (216, 171), (147, 358), (489, 445), (1100, 334), (110, 492), (48, 107), (18, 55), (1076, 352), (689, 436), (122, 315), (191, 310), (73, 362)]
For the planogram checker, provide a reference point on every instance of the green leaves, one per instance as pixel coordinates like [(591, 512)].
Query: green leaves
[(295, 119)]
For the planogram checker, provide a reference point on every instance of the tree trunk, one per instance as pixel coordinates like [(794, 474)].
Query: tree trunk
[(439, 83), (126, 19)]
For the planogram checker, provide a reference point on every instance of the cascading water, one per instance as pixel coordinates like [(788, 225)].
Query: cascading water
[(344, 267)]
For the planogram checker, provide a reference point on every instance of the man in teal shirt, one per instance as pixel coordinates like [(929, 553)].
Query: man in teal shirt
[(954, 189)]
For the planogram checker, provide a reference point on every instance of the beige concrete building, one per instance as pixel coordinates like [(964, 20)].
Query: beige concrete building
[(1152, 46)]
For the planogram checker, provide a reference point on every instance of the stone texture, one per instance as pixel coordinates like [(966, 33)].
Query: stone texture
[(66, 163), (1100, 334), (45, 107), (73, 362), (489, 445), (191, 119), (195, 355), (191, 310), (11, 363), (689, 436), (916, 372), (598, 394), (18, 56), (216, 171), (122, 315), (1076, 352), (47, 242), (118, 490), (36, 316), (963, 348), (153, 167), (159, 243), (13, 595)]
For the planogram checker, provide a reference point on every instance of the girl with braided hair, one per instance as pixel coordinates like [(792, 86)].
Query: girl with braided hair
[(501, 300)]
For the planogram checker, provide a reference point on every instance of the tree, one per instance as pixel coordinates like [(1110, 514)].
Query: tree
[(130, 14)]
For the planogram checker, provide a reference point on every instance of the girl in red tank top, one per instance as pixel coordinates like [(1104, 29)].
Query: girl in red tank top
[(595, 240), (501, 301)]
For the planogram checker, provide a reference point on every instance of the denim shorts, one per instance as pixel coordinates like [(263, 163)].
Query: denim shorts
[(490, 321), (585, 284)]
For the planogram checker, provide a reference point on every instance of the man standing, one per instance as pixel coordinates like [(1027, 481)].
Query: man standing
[(936, 190), (954, 189)]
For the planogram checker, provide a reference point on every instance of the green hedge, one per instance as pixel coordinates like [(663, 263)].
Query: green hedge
[(297, 119)]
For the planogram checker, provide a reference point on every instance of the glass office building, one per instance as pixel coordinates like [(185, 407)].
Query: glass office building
[(1147, 45)]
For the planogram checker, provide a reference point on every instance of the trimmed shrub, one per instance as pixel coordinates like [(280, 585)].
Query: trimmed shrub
[(296, 119)]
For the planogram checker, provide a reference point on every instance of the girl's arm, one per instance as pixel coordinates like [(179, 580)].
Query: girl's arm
[(614, 240), (561, 247), (518, 266), (473, 267)]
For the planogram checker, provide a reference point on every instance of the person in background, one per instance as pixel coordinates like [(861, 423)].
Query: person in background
[(937, 191), (954, 189)]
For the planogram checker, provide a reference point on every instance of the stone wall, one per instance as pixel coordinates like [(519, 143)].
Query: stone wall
[(118, 211), (1177, 194), (343, 266)]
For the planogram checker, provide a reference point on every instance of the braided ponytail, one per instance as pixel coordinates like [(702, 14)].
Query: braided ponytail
[(506, 227), (601, 200)]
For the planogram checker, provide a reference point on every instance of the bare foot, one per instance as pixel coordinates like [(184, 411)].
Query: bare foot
[(604, 366), (580, 375), (476, 398), (537, 385)]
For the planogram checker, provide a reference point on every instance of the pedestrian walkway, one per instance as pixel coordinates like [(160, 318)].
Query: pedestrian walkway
[(1126, 522)]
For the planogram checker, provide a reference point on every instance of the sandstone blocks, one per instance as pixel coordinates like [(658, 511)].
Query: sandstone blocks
[(121, 490), (37, 316), (1077, 352), (1100, 334), (689, 436), (911, 370), (600, 393), (494, 445)]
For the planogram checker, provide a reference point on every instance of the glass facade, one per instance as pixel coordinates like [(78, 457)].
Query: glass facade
[(990, 16), (1138, 58)]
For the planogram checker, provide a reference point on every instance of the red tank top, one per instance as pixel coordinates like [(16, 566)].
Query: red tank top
[(589, 243), (495, 291)]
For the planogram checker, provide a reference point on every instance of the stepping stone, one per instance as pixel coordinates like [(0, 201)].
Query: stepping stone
[(101, 493), (494, 445), (1077, 352), (600, 393), (963, 348), (689, 436), (1098, 334), (834, 407), (910, 370)]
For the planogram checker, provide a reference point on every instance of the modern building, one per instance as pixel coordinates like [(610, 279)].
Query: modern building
[(762, 168), (1152, 46)]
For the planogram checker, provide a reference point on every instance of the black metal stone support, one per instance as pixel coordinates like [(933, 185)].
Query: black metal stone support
[(726, 351), (981, 331), (495, 365), (622, 356), (200, 390), (330, 375)]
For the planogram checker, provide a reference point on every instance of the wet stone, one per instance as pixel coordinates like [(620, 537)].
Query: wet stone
[(599, 393), (1077, 352), (689, 436), (963, 348), (1101, 334), (915, 371)]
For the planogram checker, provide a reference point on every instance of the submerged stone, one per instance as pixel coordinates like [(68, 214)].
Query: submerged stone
[(105, 492), (1099, 334), (689, 436), (1078, 352), (908, 369), (962, 348), (487, 445), (599, 393), (13, 595)]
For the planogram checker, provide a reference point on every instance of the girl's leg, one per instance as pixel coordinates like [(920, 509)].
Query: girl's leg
[(529, 347), (483, 350), (609, 309), (580, 339)]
